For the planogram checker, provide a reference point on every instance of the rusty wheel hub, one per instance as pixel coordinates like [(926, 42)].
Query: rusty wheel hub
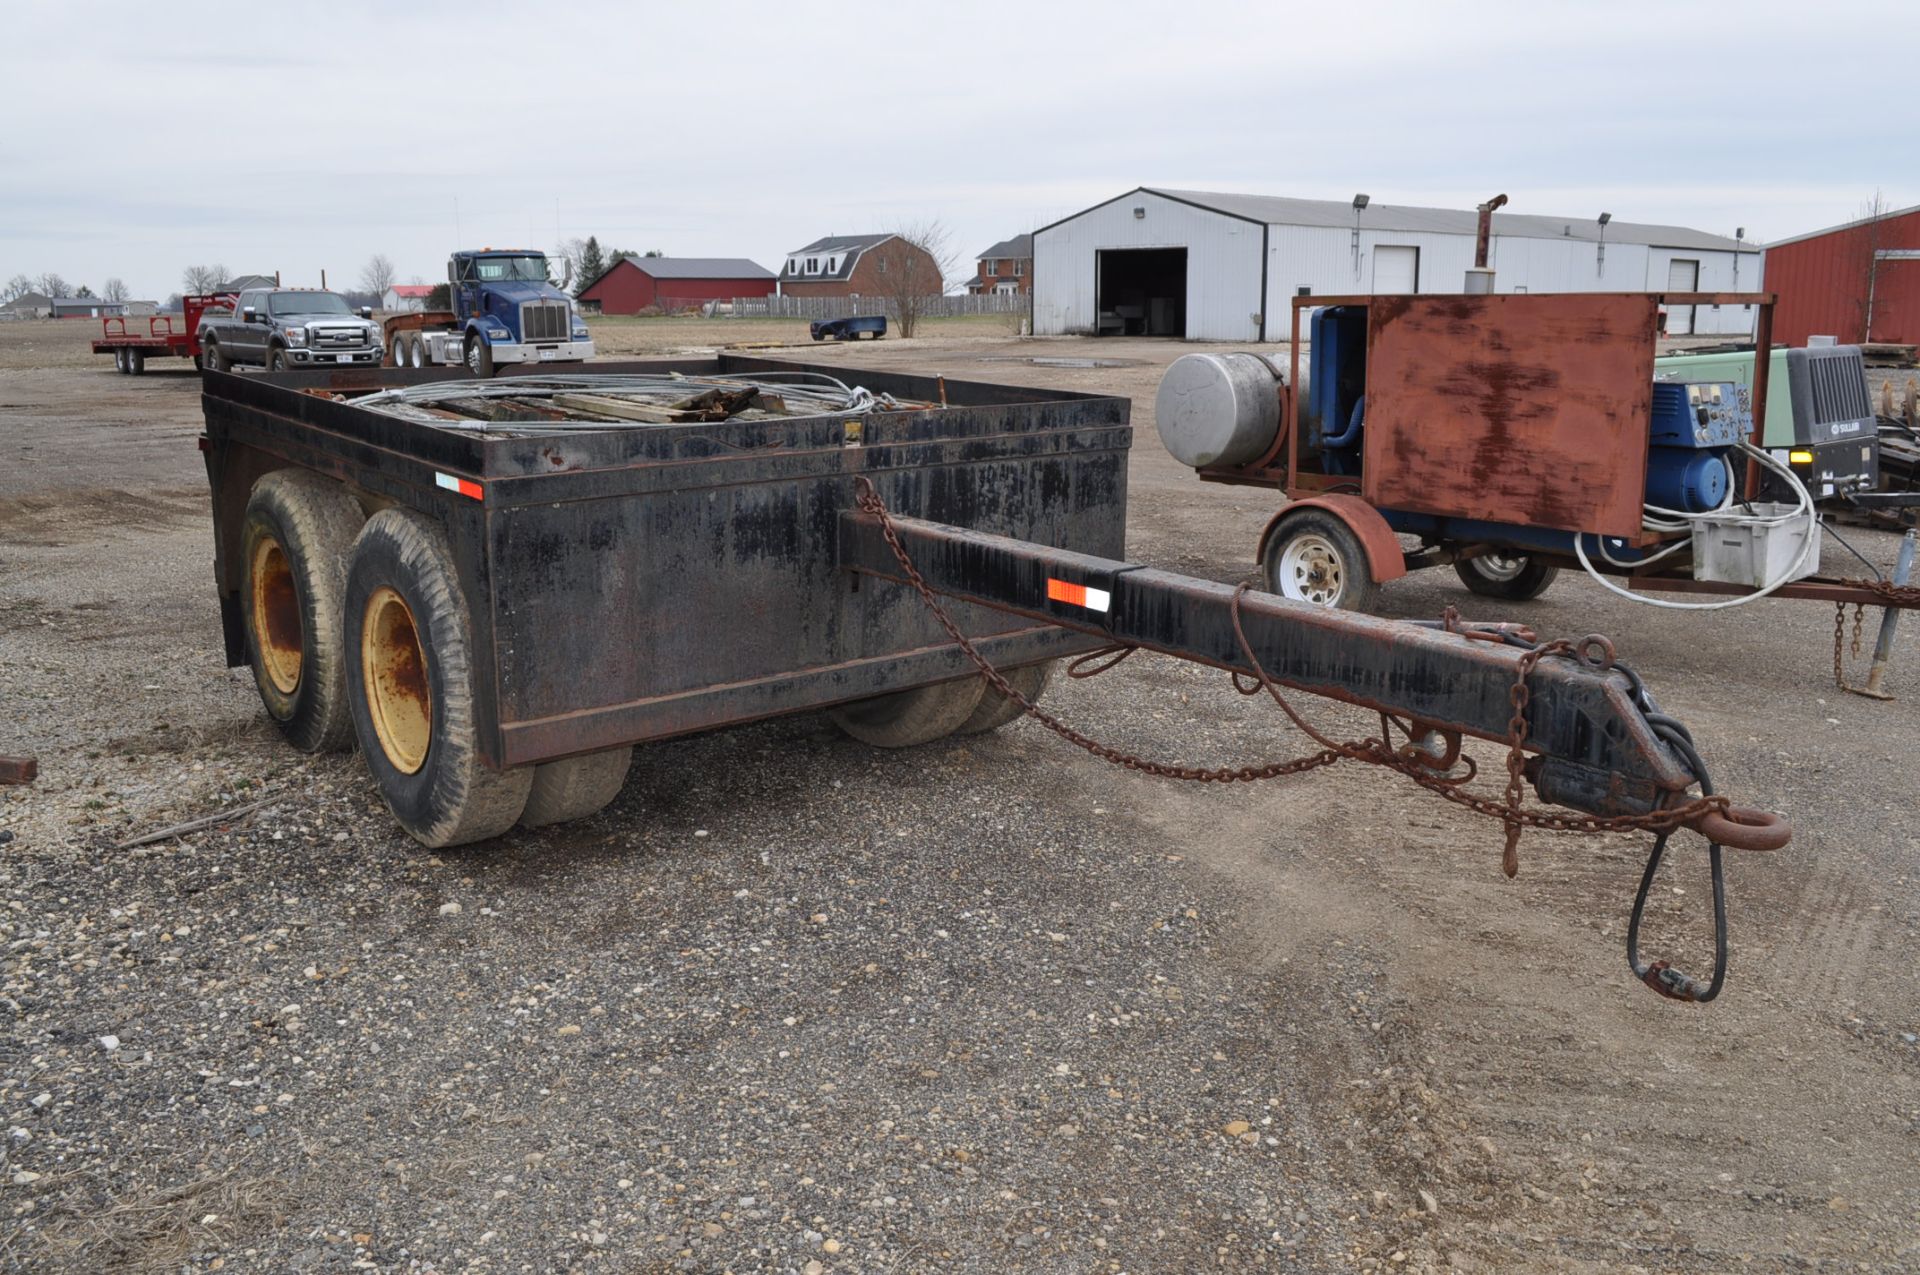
[(393, 668), (276, 615)]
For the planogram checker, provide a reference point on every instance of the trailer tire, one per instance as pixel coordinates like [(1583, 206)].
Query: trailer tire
[(1512, 577), (995, 709), (1312, 556), (295, 537), (136, 362), (410, 681), (479, 358), (199, 363), (905, 719), (120, 361), (575, 787)]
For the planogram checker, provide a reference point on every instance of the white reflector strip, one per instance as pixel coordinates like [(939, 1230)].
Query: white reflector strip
[(465, 486), (1079, 595)]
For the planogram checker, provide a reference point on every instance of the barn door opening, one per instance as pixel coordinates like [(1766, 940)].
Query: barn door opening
[(1396, 269), (1683, 275), (1141, 292)]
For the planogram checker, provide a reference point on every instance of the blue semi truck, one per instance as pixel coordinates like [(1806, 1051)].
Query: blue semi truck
[(506, 309)]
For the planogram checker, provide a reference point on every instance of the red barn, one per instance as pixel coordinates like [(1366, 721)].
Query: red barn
[(633, 284), (1858, 282)]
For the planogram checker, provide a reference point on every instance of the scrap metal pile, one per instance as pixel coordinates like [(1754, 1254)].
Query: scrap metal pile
[(581, 403)]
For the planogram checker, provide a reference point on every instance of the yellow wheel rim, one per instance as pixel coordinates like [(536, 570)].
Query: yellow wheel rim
[(393, 668), (276, 615)]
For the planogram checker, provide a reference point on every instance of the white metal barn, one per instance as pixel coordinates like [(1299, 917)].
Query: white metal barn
[(1215, 267)]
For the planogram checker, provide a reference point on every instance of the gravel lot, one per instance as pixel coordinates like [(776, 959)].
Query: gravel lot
[(795, 1005)]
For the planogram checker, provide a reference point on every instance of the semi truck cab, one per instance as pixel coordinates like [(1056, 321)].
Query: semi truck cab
[(508, 311)]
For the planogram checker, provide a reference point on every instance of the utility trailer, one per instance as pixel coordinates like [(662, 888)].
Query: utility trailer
[(163, 339), (497, 589), (1514, 435)]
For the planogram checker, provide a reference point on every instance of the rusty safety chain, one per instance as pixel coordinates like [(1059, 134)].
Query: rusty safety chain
[(1378, 750), (1892, 594)]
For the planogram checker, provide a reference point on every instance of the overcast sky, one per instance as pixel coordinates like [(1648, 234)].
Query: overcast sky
[(144, 138)]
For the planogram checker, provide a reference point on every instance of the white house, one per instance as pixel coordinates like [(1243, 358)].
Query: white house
[(1223, 267), (405, 296)]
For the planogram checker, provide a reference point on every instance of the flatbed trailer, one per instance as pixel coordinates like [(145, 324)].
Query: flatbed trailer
[(498, 589), (166, 336)]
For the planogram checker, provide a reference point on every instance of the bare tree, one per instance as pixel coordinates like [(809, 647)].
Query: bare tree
[(203, 278), (378, 274), (18, 286), (1873, 212), (54, 285), (912, 268), (114, 289), (567, 258)]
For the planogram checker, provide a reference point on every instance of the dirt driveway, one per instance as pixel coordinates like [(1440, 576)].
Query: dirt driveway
[(793, 1005)]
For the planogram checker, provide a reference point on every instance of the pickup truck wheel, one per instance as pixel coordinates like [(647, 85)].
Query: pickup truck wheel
[(575, 787), (212, 356), (479, 357), (295, 536), (276, 359), (907, 718), (995, 709), (410, 681)]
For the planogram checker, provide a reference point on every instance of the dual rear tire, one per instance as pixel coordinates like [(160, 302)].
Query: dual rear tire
[(968, 706), (358, 632)]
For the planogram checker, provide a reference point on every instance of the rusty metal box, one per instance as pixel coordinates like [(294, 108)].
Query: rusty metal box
[(1515, 408)]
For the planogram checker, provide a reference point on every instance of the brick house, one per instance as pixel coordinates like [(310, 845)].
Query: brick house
[(1007, 267), (633, 284), (857, 266)]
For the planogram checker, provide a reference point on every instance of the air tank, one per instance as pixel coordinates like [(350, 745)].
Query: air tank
[(1219, 409)]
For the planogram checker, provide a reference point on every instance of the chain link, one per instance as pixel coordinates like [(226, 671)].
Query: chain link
[(1905, 595), (1372, 750)]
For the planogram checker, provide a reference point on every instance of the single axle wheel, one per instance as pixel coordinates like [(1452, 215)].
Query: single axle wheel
[(294, 541), (575, 787), (995, 709), (410, 683), (1515, 577), (276, 359), (213, 357), (907, 718), (1314, 557)]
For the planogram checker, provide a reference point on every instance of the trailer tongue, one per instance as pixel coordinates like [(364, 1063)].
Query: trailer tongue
[(557, 568)]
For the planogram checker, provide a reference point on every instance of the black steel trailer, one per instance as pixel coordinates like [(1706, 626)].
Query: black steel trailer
[(497, 597)]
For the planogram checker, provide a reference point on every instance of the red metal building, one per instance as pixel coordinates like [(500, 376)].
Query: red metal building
[(633, 284), (1858, 282)]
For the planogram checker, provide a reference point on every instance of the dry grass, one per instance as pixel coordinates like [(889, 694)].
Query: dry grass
[(154, 1233)]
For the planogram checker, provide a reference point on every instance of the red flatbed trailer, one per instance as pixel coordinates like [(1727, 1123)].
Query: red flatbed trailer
[(163, 339)]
